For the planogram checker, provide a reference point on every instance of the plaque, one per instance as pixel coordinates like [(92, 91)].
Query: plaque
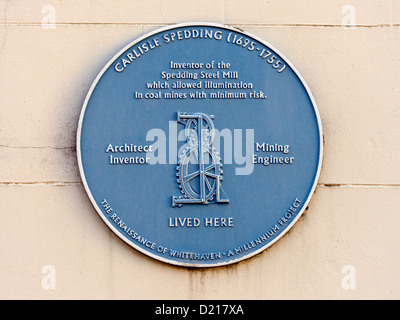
[(199, 145)]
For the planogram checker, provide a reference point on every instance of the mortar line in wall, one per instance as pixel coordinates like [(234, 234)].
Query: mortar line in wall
[(41, 183), (37, 147), (359, 185), (385, 25), (38, 24), (328, 185)]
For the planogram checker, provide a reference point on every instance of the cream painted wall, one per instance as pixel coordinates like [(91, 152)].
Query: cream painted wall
[(51, 51)]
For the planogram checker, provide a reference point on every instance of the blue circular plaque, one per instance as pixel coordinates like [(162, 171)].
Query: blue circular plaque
[(199, 145)]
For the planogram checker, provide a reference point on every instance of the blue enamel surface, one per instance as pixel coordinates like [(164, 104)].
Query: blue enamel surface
[(140, 195)]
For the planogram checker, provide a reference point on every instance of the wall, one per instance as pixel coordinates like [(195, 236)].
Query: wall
[(54, 245)]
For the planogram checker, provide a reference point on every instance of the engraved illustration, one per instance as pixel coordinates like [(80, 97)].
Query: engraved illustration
[(199, 169)]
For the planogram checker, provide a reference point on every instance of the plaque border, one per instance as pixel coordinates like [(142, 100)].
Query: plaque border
[(98, 209)]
